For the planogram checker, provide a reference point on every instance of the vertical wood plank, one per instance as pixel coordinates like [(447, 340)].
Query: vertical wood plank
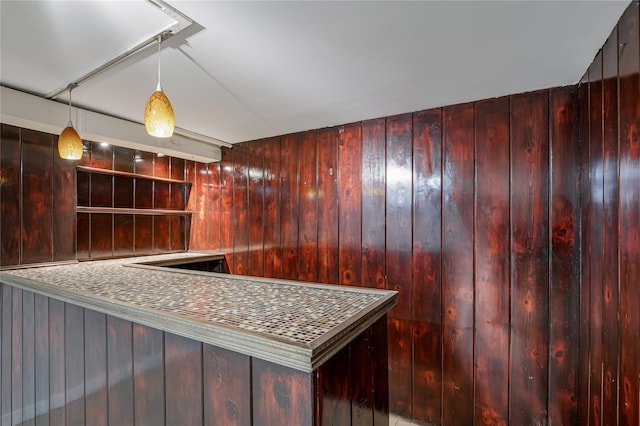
[(161, 234), (95, 371), (143, 194), (161, 195), (379, 334), (16, 358), (333, 383), (399, 171), (281, 396), (272, 250), (289, 206), (565, 257), (57, 387), (28, 358), (6, 354), (457, 264), (373, 203), (178, 167), (101, 190), (178, 233), (256, 208), (120, 371), (123, 193), (240, 214), (350, 204), (37, 183), (148, 380), (227, 385), (629, 255), (362, 371), (161, 165), (610, 185), (308, 217), (213, 207), (101, 155), (74, 364), (143, 163), (596, 239), (199, 191), (190, 173), (585, 302), (10, 195), (328, 259), (491, 245), (41, 360), (64, 207), (529, 258), (226, 205), (427, 271), (183, 385)]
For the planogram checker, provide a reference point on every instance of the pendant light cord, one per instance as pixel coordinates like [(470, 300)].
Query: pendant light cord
[(159, 43), (70, 89)]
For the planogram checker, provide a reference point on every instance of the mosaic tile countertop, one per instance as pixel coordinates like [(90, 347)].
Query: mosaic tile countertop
[(299, 325)]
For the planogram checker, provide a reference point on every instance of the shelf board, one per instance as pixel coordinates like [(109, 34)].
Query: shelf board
[(118, 210), (131, 175)]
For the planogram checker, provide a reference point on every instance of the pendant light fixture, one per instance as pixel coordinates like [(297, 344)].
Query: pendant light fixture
[(158, 114), (69, 142)]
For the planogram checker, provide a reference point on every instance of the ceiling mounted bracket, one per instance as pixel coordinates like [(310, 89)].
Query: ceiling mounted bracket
[(181, 22)]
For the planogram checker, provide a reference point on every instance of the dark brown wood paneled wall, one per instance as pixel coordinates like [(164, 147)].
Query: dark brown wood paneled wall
[(37, 198), (63, 364), (470, 211), (610, 322)]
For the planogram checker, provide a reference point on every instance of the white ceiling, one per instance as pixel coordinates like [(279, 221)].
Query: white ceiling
[(248, 70)]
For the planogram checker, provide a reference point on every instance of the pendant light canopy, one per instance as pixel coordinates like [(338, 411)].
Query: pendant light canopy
[(69, 142), (158, 113)]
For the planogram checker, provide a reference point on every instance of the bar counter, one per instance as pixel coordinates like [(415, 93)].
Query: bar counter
[(294, 324), (291, 350)]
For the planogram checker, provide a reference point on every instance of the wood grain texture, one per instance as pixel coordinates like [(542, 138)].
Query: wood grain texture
[(10, 195), (28, 358), (212, 199), (101, 190), (101, 155), (399, 170), (373, 203), (328, 260), (381, 391), (161, 195), (148, 379), (183, 380), (57, 390), (281, 396), (64, 208), (123, 191), (629, 249), (143, 163), (161, 165), (255, 219), (199, 192), (123, 234), (362, 372), (585, 301), (289, 206), (74, 364), (161, 234), (143, 240), (595, 241), (190, 174), (333, 385), (227, 383), (457, 264), (178, 168), (350, 204), (37, 188), (529, 258), (143, 194), (240, 214), (16, 357), (308, 217), (101, 235), (272, 249), (6, 354), (226, 205), (427, 270), (120, 371), (95, 367), (41, 320), (564, 290), (492, 265)]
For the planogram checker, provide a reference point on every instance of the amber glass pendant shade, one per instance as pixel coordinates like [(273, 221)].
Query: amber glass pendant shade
[(158, 115), (70, 144)]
